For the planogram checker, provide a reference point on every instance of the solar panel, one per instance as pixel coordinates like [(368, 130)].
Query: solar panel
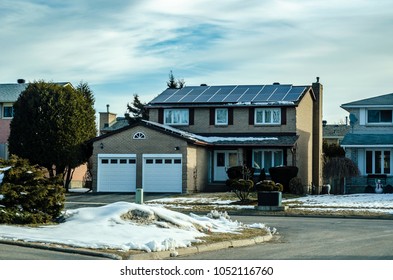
[(179, 94), (163, 96), (207, 94), (280, 92), (221, 94), (192, 94), (294, 94), (231, 94)]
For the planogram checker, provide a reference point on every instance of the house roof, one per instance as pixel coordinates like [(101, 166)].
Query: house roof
[(11, 92), (335, 130), (255, 140), (382, 100), (367, 140), (276, 94)]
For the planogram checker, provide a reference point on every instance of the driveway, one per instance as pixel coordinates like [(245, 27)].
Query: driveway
[(304, 238)]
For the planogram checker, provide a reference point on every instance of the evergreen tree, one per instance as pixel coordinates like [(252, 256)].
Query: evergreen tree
[(51, 126), (137, 110), (172, 83)]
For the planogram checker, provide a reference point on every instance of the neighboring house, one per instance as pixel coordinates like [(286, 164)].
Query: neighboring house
[(369, 142), (334, 133), (194, 134), (9, 93)]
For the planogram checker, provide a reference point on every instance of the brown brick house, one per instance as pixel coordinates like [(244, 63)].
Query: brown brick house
[(195, 133)]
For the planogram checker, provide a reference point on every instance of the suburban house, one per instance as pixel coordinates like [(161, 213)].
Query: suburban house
[(9, 93), (334, 133), (195, 133), (369, 142)]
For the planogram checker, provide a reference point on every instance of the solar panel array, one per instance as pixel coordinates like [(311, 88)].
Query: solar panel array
[(231, 94)]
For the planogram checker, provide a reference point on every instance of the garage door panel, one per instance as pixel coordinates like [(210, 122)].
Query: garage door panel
[(162, 174), (117, 174)]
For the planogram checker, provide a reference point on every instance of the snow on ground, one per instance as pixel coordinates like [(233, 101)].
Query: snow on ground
[(382, 203), (126, 226), (152, 227)]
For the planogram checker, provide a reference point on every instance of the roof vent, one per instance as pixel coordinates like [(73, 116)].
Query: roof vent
[(276, 84), (203, 85), (21, 81)]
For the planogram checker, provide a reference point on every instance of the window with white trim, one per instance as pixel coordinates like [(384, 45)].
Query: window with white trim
[(176, 116), (267, 158), (8, 111), (221, 116), (379, 116), (378, 162), (267, 116), (139, 136)]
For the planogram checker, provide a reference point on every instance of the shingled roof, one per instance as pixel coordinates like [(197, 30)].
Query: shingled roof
[(385, 100)]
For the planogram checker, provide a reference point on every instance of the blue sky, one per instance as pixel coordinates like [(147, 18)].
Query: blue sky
[(122, 48)]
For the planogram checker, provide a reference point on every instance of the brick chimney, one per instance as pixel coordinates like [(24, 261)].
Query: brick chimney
[(317, 136), (106, 119)]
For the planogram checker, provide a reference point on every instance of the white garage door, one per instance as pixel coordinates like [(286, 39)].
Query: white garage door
[(116, 173), (162, 173)]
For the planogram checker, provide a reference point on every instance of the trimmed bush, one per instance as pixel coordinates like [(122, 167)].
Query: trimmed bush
[(296, 186), (29, 197), (240, 181), (369, 189), (268, 186), (283, 174), (388, 189)]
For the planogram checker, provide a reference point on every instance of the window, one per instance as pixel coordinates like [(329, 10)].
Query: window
[(139, 135), (378, 162), (268, 116), (379, 116), (8, 111), (176, 116), (221, 116), (267, 158)]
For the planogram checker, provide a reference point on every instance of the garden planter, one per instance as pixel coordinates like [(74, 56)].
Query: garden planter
[(270, 201)]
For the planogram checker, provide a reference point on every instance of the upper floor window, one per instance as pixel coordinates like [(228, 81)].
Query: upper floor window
[(176, 116), (8, 111), (268, 116), (379, 116), (221, 116)]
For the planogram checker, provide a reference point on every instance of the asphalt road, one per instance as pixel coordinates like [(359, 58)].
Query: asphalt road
[(314, 239)]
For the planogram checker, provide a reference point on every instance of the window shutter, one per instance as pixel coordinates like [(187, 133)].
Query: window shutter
[(161, 115), (212, 116), (230, 116), (191, 116), (251, 116), (283, 115)]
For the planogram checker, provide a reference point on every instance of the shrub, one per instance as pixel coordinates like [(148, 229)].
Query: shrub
[(283, 174), (268, 186), (388, 189), (28, 196), (296, 186), (240, 181), (369, 189)]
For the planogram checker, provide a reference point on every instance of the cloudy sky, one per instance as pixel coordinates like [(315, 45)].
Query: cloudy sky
[(126, 47)]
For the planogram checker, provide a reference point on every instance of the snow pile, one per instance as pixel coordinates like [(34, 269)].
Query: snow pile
[(126, 226)]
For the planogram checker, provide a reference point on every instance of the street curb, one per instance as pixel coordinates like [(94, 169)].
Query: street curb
[(151, 255), (58, 248), (201, 248)]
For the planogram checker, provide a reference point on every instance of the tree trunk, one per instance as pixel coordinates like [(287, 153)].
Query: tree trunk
[(68, 178)]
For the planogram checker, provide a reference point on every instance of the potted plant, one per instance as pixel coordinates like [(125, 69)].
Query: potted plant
[(269, 195)]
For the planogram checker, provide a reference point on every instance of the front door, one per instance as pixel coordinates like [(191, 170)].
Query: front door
[(222, 161)]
